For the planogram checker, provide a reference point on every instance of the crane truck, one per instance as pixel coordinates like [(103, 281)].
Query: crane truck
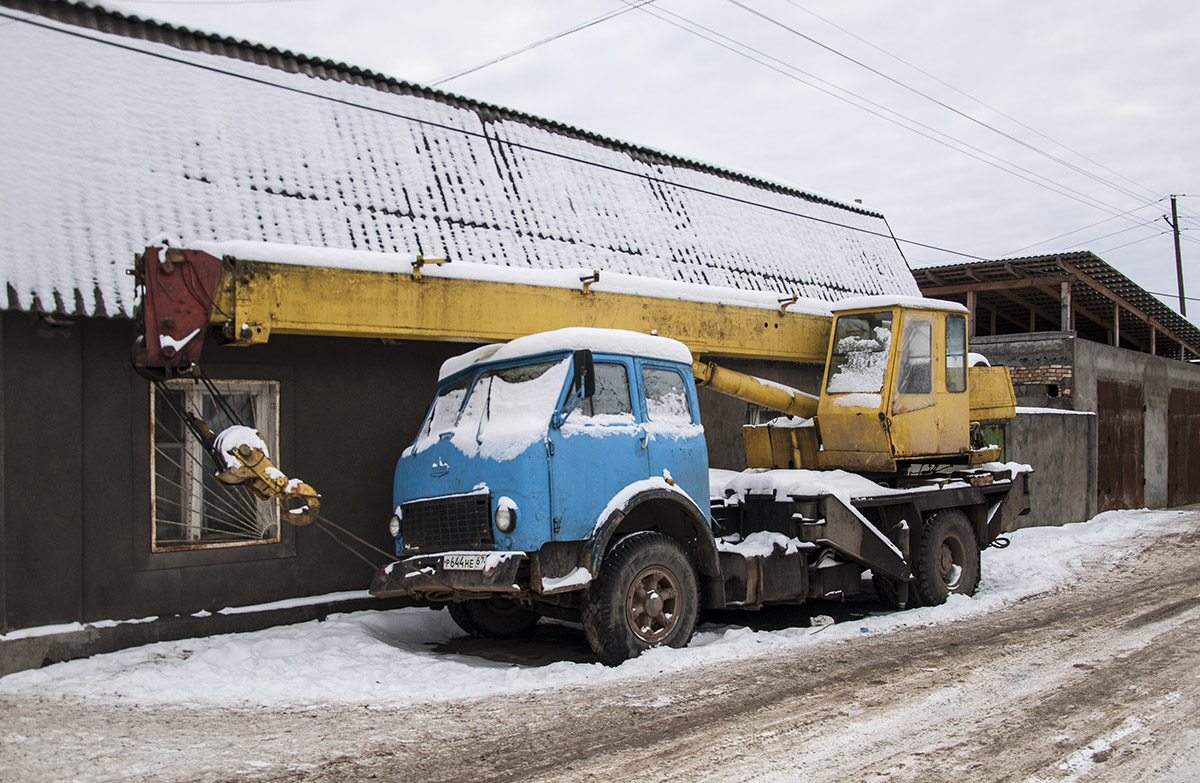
[(562, 470)]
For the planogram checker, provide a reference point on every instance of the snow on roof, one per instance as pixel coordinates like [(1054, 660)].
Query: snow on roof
[(573, 338), (112, 141)]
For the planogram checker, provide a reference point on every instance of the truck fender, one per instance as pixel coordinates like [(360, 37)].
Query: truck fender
[(669, 512)]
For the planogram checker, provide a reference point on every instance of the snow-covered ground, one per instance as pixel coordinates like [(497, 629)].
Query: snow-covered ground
[(389, 658)]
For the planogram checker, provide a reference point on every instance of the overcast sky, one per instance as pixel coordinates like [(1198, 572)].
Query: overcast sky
[(1113, 87)]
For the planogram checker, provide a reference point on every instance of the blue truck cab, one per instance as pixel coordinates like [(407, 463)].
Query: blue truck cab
[(535, 459)]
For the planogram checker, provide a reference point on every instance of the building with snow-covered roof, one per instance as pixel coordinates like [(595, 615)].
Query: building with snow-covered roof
[(122, 132)]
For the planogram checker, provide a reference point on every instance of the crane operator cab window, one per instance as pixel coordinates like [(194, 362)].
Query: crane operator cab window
[(956, 353), (914, 370), (861, 343)]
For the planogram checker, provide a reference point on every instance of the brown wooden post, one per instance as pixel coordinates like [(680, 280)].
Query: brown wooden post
[(1065, 315), (1116, 325), (972, 303), (1153, 340)]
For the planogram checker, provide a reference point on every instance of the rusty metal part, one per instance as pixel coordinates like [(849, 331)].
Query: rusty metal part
[(179, 291), (652, 604)]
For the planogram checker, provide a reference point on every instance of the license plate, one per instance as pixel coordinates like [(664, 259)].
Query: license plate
[(463, 562)]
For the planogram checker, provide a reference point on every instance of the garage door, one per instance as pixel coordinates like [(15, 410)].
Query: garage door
[(1119, 424), (1183, 447)]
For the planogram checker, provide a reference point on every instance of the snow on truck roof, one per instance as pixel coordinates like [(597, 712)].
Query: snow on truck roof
[(865, 302), (572, 338)]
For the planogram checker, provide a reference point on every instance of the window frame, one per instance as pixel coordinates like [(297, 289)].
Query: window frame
[(645, 396), (265, 394), (958, 372)]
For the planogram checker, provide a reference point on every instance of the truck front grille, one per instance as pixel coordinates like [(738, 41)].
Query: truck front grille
[(445, 524)]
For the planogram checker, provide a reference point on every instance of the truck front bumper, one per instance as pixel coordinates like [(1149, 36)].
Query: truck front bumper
[(426, 576)]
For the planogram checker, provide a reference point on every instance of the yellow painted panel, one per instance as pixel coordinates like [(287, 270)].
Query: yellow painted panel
[(258, 299), (991, 393)]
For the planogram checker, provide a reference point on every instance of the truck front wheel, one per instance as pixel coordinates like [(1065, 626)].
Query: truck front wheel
[(493, 618), (645, 596), (949, 558)]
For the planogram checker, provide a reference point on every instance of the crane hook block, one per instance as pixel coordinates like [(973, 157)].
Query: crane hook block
[(241, 456)]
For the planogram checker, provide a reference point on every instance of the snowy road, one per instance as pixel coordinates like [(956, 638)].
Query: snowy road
[(1078, 661)]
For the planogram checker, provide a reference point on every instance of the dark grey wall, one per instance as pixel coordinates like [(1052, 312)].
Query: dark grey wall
[(43, 460), (75, 444)]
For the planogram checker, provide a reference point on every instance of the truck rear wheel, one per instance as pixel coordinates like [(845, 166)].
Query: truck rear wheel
[(645, 596), (949, 558), (493, 618)]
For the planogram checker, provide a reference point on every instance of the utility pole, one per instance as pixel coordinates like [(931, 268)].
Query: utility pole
[(1178, 256)]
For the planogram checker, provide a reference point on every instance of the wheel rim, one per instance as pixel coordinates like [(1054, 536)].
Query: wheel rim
[(950, 563), (652, 604)]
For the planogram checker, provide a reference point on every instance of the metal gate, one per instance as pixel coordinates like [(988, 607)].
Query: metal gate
[(1183, 447), (1121, 431)]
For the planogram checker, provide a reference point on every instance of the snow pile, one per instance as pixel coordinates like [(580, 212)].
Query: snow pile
[(112, 141), (387, 660)]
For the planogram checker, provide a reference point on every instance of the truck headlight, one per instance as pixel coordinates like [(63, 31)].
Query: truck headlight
[(394, 524), (506, 515)]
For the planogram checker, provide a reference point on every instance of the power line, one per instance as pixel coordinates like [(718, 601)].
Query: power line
[(561, 34), (968, 96), (1114, 233), (1134, 242), (482, 136), (1085, 228), (943, 104), (1173, 296), (996, 162)]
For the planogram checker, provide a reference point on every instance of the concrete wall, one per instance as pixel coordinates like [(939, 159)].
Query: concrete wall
[(1061, 448)]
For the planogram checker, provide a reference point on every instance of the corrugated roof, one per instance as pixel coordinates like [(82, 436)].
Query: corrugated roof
[(121, 130), (1015, 286)]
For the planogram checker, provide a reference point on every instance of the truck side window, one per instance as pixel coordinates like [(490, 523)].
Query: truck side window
[(666, 396), (612, 392), (956, 353)]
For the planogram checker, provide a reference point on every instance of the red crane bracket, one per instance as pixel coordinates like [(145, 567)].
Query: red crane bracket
[(179, 289)]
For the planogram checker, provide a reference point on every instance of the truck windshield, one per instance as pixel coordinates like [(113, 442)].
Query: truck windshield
[(860, 353), (501, 414)]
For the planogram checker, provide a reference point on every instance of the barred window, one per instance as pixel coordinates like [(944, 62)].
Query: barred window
[(191, 509)]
